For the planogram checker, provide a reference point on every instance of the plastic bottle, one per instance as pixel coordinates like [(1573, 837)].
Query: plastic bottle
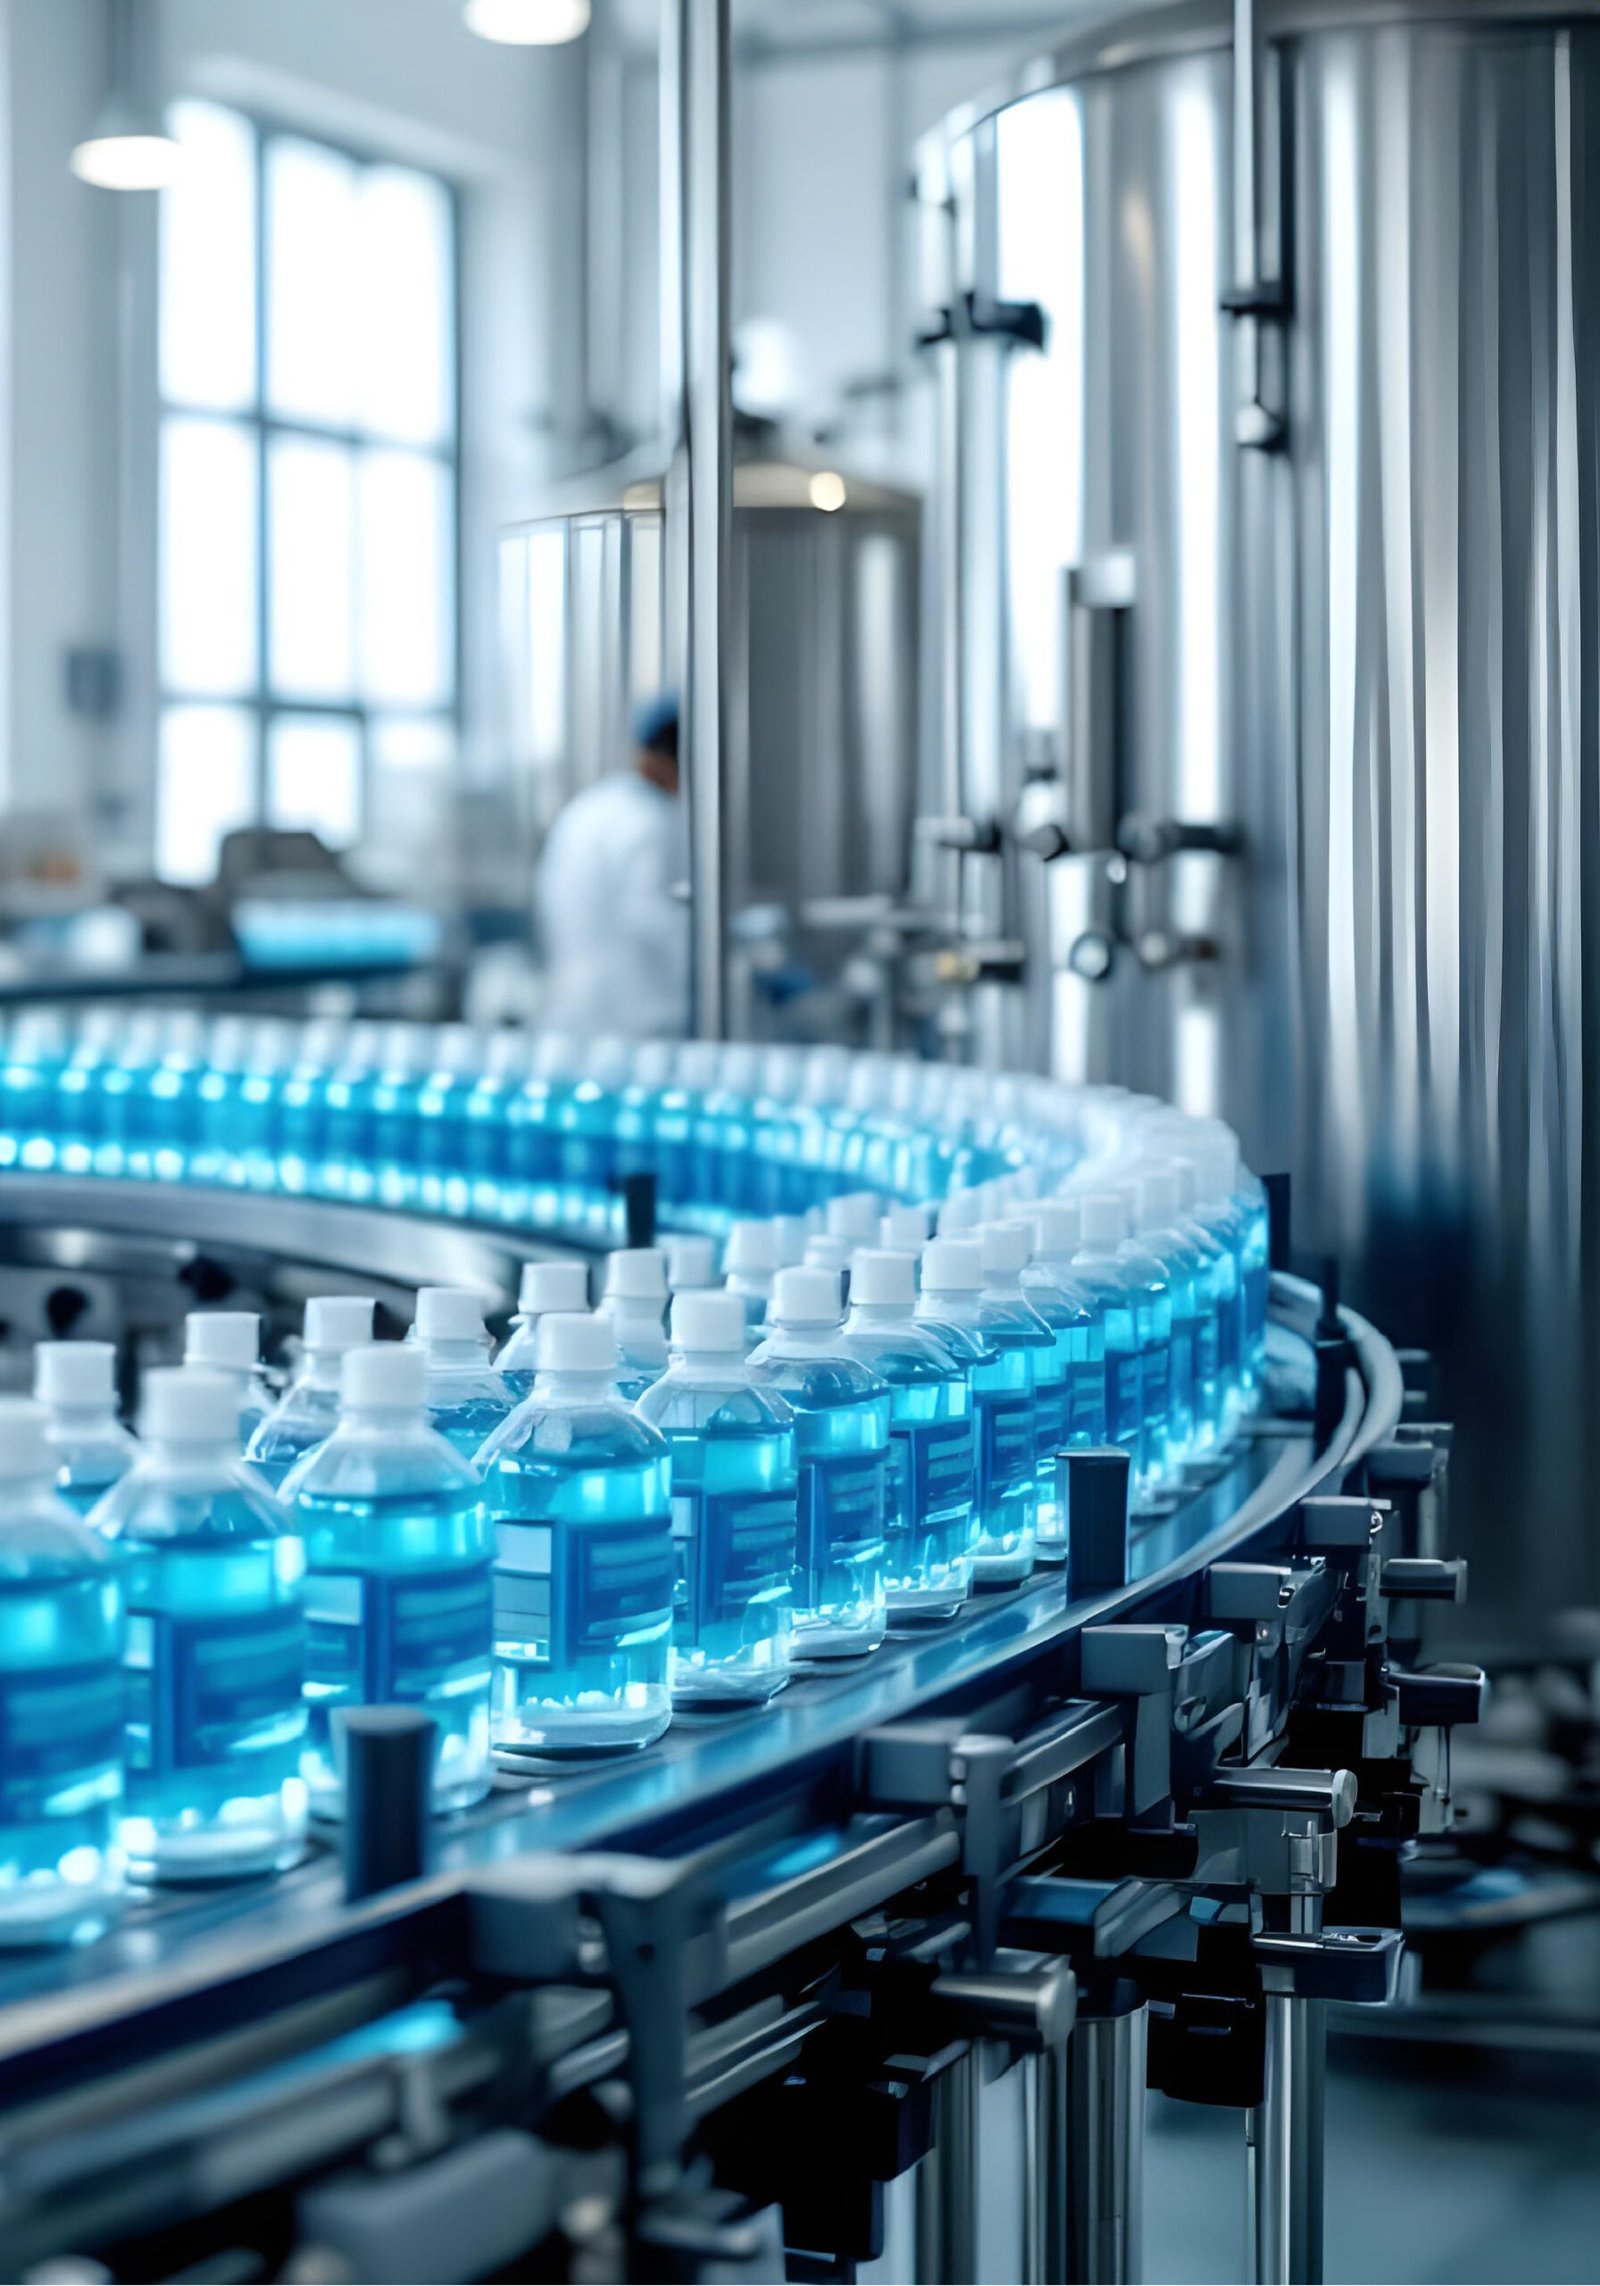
[(734, 1509), (229, 1341), (547, 1288), (216, 1643), (577, 1486), (346, 1167), (440, 1133), (167, 1125), (841, 1410), (80, 1094), (960, 1214), (1007, 1249), (1217, 1286), (490, 1130), (749, 1267), (1157, 1192), (399, 1572), (1153, 1318), (932, 1518), (854, 1216), (1098, 1268), (302, 1108), (309, 1408), (1073, 1315), (691, 1264), (634, 1304), (76, 1383), (904, 1230), (1001, 1380), (827, 1251), (61, 1701), (791, 1234), (466, 1396)]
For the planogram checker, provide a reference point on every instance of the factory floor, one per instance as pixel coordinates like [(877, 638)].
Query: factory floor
[(1439, 2168)]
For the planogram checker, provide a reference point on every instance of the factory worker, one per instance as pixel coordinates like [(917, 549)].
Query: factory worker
[(612, 915)]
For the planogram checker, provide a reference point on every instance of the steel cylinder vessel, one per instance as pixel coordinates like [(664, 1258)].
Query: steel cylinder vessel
[(1318, 559)]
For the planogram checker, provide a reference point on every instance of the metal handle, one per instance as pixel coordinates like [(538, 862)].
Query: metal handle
[(1260, 295), (1095, 595)]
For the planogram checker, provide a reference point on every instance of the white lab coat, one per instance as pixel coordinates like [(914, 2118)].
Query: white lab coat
[(615, 936)]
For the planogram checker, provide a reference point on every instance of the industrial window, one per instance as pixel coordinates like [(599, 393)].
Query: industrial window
[(308, 481)]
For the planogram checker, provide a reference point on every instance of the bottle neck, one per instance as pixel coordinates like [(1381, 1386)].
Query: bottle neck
[(707, 1364), (99, 1414), (1004, 1286), (567, 1388), (457, 1353), (388, 1420), (195, 1454), (804, 1341), (320, 1369), (866, 1314)]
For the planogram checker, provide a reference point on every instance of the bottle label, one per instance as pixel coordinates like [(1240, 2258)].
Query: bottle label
[(583, 1589), (735, 1547), (1157, 1375), (387, 1640), (841, 1509), (196, 1685), (1087, 1403), (1183, 1373), (1005, 1444), (1124, 1396), (56, 1727), (1051, 1412), (932, 1470)]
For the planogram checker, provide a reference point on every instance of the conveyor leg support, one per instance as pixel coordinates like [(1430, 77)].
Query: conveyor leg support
[(1106, 2060), (1286, 2146), (947, 2180)]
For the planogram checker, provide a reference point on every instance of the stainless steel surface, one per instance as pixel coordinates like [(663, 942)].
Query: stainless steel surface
[(1105, 2147), (1376, 647), (1048, 2243), (697, 211), (946, 2211)]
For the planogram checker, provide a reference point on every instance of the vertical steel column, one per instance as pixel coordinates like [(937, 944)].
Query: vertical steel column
[(1105, 2147), (946, 2216), (696, 208), (1048, 2243), (1286, 2145)]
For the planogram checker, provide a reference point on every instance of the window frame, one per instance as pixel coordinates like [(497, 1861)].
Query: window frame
[(263, 704)]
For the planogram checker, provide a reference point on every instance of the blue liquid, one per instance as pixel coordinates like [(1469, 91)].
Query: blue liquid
[(1104, 1281), (215, 1664), (30, 1078), (466, 1398), (1188, 1273), (734, 1484), (583, 1583), (641, 1349), (61, 1728), (1062, 1384), (1217, 1285), (305, 1416), (400, 1612), (841, 1426), (931, 1529), (1156, 1455), (517, 1363)]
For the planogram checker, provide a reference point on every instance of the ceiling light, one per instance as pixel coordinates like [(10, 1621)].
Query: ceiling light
[(827, 491), (128, 147), (527, 23)]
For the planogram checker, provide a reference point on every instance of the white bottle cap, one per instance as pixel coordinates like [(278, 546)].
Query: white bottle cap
[(1183, 1175), (854, 1215), (1058, 1227), (548, 1286), (388, 1374), (1216, 1168), (25, 1449), (789, 1235), (70, 1373), (752, 1247), (962, 1210), (708, 1321), (449, 1313), (824, 1251), (904, 1228), (229, 1339), (691, 1264), (805, 1297), (1006, 1248), (878, 1276), (567, 1342), (338, 1321), (637, 1274), (1105, 1219), (1158, 1198), (952, 1266), (189, 1405)]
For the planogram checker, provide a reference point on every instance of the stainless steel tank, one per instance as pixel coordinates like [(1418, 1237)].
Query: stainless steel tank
[(1296, 531)]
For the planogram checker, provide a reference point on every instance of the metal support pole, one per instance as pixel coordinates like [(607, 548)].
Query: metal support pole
[(1048, 2246), (1105, 2148), (1286, 2145), (947, 2180), (698, 407)]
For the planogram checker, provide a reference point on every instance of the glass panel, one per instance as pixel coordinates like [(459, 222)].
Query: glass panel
[(407, 333), (208, 262), (311, 569), (208, 557), (312, 312), (314, 776), (407, 606), (205, 787)]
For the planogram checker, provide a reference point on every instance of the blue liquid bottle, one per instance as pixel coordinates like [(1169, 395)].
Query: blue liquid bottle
[(1157, 1192), (1212, 1166), (61, 1702), (491, 1130), (841, 1411), (1001, 1380), (80, 1119), (31, 1070), (345, 1166), (734, 1510), (1073, 1316), (1100, 1272), (399, 1577), (548, 1289), (466, 1396), (634, 1305), (932, 1514), (301, 1112), (229, 1342), (307, 1412), (1007, 1249), (749, 1266), (1153, 1319), (1217, 1285), (168, 1123), (442, 1136), (576, 1485), (76, 1383), (216, 1644)]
